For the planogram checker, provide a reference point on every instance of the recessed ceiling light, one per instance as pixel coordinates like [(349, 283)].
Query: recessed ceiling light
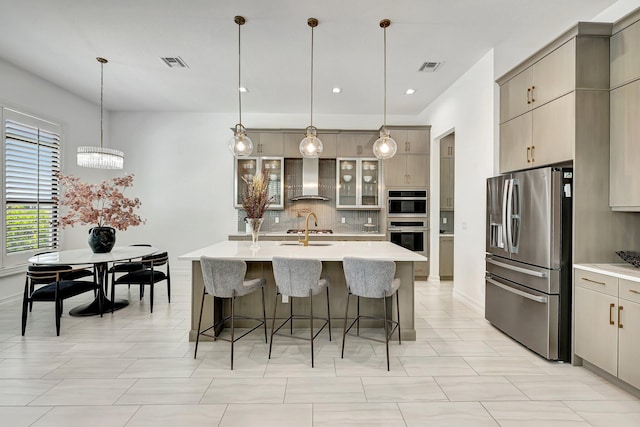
[(243, 89), (336, 90), (410, 91)]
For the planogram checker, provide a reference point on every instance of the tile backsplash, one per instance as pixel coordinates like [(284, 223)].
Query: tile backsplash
[(294, 213)]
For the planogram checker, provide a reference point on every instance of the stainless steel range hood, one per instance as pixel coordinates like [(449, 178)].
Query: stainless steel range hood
[(310, 177)]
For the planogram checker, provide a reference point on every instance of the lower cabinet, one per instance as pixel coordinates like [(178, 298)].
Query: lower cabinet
[(607, 323), (446, 257)]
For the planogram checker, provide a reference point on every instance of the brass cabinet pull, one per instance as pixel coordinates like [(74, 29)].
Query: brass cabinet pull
[(407, 146), (528, 154), (620, 326), (533, 153), (532, 98), (611, 322), (528, 95), (633, 291), (593, 281)]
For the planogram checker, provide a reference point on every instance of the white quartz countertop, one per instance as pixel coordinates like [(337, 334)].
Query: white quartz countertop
[(285, 234), (621, 271), (325, 251)]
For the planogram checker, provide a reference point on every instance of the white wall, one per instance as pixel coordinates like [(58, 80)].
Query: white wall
[(80, 119), (468, 108)]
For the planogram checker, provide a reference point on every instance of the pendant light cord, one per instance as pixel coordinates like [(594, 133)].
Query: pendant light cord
[(239, 81), (101, 99), (312, 76), (385, 79)]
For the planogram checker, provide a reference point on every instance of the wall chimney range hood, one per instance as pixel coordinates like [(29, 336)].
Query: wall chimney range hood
[(310, 170)]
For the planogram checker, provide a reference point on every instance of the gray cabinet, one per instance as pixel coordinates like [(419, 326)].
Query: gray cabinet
[(624, 191), (411, 140), (245, 169), (447, 173), (358, 183), (292, 144), (406, 170), (269, 144), (355, 144), (446, 257), (540, 100)]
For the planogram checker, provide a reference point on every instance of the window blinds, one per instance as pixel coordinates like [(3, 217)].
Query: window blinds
[(32, 159)]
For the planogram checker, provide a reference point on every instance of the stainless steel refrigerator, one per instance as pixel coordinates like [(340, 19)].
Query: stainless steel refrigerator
[(528, 258)]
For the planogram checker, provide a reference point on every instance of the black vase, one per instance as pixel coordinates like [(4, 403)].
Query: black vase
[(102, 239)]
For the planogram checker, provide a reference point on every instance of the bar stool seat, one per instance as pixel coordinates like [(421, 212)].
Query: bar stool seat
[(371, 278), (299, 278), (225, 278)]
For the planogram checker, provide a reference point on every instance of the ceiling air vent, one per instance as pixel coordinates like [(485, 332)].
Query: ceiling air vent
[(175, 62), (430, 67)]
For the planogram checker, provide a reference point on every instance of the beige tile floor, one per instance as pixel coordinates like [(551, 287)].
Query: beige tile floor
[(133, 368)]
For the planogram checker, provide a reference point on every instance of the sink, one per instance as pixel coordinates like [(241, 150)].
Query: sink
[(300, 244)]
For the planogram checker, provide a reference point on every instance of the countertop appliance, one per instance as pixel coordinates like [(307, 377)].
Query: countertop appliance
[(407, 202), (528, 258)]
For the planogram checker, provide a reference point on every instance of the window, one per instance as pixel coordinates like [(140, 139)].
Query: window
[(31, 161)]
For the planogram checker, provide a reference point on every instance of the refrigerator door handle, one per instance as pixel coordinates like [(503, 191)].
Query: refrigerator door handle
[(542, 300), (518, 269), (514, 217), (506, 223)]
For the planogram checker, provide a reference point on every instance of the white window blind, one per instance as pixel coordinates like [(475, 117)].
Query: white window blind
[(32, 159)]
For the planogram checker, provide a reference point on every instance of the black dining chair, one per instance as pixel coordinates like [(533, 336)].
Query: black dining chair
[(128, 267), (149, 275), (75, 274), (51, 283)]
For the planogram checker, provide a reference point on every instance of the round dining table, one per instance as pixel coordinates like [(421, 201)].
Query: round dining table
[(101, 263)]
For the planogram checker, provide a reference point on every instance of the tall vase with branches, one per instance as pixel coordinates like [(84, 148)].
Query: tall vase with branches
[(255, 202)]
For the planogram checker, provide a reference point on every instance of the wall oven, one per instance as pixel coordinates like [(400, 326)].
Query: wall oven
[(407, 202), (409, 232)]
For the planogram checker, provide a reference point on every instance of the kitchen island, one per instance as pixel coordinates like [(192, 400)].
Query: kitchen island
[(331, 253)]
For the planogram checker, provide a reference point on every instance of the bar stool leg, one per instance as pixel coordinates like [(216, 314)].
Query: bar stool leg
[(291, 315), (344, 330), (233, 317), (264, 316), (195, 353), (398, 311), (311, 323), (273, 323), (328, 314), (386, 328), (358, 318)]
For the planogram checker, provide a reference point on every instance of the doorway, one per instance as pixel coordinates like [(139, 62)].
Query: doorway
[(447, 205)]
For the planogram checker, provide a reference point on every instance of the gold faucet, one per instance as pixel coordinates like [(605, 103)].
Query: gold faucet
[(305, 242)]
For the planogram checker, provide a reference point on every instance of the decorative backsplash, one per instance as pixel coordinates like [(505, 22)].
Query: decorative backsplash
[(294, 213)]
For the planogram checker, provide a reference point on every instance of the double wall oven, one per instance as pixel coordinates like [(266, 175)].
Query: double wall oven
[(407, 220)]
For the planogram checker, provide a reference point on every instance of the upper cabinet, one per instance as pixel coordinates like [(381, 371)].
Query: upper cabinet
[(356, 143), (269, 144), (413, 140), (624, 192), (358, 183), (545, 101), (292, 144), (447, 173), (410, 166), (247, 167)]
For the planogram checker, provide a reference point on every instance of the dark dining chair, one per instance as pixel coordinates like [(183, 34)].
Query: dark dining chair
[(127, 267), (51, 283), (148, 276)]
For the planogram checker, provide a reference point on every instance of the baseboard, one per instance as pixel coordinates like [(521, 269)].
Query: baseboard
[(433, 279), (472, 303)]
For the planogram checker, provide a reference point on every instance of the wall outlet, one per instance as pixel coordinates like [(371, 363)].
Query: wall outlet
[(368, 220), (444, 220), (344, 220), (285, 299), (277, 220)]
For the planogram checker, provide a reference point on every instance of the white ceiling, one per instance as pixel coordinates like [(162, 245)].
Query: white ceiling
[(60, 39)]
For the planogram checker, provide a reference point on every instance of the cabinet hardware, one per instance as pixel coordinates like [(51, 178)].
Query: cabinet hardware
[(633, 291), (620, 325), (533, 153), (528, 154), (532, 94), (407, 147), (528, 95), (611, 322), (593, 281), (359, 149)]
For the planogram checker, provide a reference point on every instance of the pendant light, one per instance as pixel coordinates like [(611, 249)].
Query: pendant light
[(311, 146), (240, 144), (385, 147), (100, 157)]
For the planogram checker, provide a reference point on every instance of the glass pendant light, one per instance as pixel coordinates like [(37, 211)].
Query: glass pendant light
[(385, 147), (240, 144), (311, 146), (100, 157)]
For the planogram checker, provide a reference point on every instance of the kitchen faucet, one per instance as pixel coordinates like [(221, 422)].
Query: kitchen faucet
[(305, 242)]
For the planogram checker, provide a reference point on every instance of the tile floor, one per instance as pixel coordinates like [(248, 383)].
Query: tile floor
[(134, 368)]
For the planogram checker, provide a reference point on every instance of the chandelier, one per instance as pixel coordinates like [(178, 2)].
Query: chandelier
[(385, 147), (240, 144), (311, 146)]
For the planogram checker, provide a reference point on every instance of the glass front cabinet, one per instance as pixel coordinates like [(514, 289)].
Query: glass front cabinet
[(358, 183), (246, 168)]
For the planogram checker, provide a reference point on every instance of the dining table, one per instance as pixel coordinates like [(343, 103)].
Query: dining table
[(100, 261)]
